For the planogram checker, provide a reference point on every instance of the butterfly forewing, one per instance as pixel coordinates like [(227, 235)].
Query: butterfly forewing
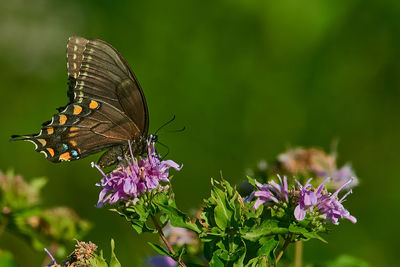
[(107, 106)]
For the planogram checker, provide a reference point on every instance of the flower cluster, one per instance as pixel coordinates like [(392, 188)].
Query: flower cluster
[(306, 198), (272, 192), (329, 205), (80, 257), (134, 177)]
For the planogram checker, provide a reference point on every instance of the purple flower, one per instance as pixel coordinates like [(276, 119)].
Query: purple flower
[(134, 177), (327, 204), (307, 199), (331, 206), (161, 261), (272, 192)]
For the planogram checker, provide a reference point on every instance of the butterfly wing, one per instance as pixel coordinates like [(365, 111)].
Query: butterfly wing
[(107, 106)]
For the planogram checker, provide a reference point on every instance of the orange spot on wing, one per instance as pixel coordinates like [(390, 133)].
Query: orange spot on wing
[(62, 119), (65, 156), (93, 104), (42, 141), (50, 130), (73, 143), (77, 109), (72, 129), (51, 151), (72, 134)]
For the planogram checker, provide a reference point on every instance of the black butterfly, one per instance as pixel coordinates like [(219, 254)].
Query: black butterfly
[(106, 108)]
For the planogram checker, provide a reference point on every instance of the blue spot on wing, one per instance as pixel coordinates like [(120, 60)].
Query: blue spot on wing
[(74, 153)]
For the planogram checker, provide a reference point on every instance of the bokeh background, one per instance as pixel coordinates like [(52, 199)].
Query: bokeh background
[(247, 78)]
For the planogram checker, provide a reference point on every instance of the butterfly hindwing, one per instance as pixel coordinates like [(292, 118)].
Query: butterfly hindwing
[(106, 108)]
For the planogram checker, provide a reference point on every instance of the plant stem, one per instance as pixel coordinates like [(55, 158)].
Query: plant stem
[(298, 254), (287, 242), (3, 225), (164, 239)]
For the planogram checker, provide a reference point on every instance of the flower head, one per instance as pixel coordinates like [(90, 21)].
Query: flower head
[(331, 206), (134, 177), (328, 205), (272, 192), (300, 161)]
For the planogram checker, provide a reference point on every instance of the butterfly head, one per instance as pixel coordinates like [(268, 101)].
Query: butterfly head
[(153, 138)]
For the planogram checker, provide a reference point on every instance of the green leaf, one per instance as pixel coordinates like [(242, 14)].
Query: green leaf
[(222, 216), (215, 261), (7, 259), (251, 181), (160, 250), (178, 218), (98, 261), (260, 261), (137, 215), (267, 227), (240, 260), (303, 231), (347, 261), (114, 262), (223, 211), (267, 249), (164, 219)]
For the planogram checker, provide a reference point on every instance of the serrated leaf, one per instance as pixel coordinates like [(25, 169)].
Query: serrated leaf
[(216, 262), (260, 261), (303, 231), (267, 249), (222, 212), (267, 227), (164, 219), (178, 218), (240, 260), (141, 227)]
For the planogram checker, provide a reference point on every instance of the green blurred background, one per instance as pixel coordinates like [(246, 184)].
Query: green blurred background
[(247, 78)]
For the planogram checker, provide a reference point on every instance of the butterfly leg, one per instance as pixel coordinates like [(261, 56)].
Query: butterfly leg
[(110, 157)]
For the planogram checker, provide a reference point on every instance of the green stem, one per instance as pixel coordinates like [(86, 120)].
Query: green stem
[(285, 245), (3, 225), (298, 254), (164, 239)]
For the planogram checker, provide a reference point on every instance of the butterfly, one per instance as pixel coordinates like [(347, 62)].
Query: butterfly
[(106, 109)]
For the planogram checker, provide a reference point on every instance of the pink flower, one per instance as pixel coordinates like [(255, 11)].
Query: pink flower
[(272, 192), (134, 177)]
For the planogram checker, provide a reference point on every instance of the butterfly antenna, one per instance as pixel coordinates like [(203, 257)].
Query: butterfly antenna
[(166, 148), (179, 130), (165, 124)]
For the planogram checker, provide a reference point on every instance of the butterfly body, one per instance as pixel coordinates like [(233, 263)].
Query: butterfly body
[(106, 108)]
